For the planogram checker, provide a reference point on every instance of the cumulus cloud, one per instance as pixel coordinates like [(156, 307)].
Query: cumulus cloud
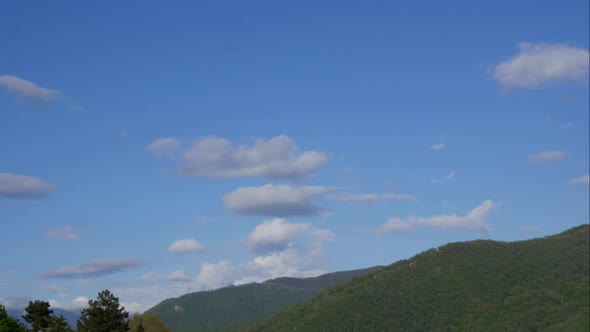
[(546, 156), (179, 275), (216, 157), (540, 63), (368, 198), (23, 187), (446, 178), (28, 91), (472, 221), (66, 233), (93, 268), (302, 256), (302, 260), (75, 304), (185, 246), (275, 234), (581, 180), (275, 200), (164, 147), (438, 146)]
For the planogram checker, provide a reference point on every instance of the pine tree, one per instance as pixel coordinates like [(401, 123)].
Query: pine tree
[(59, 324), (37, 315), (103, 315)]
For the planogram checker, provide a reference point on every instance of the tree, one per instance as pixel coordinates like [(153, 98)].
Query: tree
[(9, 324), (59, 324), (103, 315), (148, 323), (37, 315)]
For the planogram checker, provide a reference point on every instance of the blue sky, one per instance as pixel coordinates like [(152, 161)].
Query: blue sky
[(156, 150)]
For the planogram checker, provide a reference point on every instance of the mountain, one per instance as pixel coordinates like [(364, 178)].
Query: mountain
[(238, 306), (539, 284), (70, 316)]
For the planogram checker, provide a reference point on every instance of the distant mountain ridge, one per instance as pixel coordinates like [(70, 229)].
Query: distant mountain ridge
[(238, 306), (532, 285)]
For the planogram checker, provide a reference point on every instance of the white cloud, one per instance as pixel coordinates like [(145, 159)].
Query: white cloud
[(278, 157), (185, 246), (93, 268), (179, 275), (368, 198), (302, 260), (75, 304), (446, 178), (438, 146), (275, 200), (164, 147), (536, 64), (66, 233), (473, 221), (28, 91), (546, 156), (302, 257), (23, 187), (581, 180), (275, 234)]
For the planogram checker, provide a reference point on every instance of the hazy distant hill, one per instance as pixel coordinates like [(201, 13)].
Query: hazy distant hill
[(236, 306), (540, 284)]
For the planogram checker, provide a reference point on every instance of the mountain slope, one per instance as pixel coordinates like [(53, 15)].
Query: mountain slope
[(237, 306), (539, 284)]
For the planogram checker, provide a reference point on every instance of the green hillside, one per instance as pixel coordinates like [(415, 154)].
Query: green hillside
[(238, 306), (540, 284)]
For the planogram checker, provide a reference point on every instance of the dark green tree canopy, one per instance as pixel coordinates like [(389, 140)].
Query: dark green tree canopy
[(9, 324), (59, 324), (37, 315), (103, 315)]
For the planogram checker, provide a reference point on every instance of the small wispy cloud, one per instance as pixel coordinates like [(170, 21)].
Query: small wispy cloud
[(164, 147), (581, 180), (23, 187), (540, 63), (475, 221), (28, 91), (546, 156), (93, 268), (368, 198), (185, 246), (438, 146), (179, 275), (450, 176), (65, 233)]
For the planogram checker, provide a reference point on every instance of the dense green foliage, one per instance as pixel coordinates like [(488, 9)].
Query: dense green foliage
[(59, 324), (147, 323), (103, 315), (9, 324), (38, 315), (540, 284), (237, 306)]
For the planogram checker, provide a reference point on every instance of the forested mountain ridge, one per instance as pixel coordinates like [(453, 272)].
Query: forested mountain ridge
[(239, 306), (539, 284)]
